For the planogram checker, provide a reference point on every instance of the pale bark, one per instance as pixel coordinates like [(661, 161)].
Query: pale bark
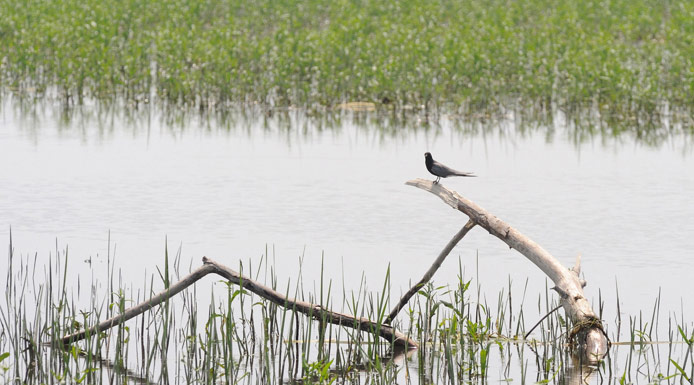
[(567, 281)]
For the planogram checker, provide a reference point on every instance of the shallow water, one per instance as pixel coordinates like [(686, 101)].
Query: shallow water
[(302, 189)]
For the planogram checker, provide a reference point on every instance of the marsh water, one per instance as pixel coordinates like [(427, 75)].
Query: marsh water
[(301, 189)]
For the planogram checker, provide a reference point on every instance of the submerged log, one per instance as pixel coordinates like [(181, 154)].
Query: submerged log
[(399, 340), (588, 330)]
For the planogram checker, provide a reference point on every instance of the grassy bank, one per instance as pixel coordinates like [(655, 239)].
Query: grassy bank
[(619, 54)]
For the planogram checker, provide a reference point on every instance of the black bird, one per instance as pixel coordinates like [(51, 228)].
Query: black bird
[(441, 171)]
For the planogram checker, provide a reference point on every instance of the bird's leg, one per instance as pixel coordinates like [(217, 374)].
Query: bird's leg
[(438, 178)]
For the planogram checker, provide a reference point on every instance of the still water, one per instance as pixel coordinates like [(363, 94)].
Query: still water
[(302, 189)]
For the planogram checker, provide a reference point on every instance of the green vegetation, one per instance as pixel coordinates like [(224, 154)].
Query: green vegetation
[(244, 339), (619, 56)]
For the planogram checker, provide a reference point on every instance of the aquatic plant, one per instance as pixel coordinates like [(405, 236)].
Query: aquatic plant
[(243, 339), (631, 59)]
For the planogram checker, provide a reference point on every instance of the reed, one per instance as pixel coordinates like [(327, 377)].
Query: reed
[(241, 338)]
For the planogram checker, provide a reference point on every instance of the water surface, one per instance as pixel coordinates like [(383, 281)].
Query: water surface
[(302, 188)]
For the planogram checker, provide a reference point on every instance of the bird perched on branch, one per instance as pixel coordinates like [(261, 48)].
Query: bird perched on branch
[(440, 170)]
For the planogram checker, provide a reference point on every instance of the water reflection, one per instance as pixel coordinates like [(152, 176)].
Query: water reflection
[(580, 125)]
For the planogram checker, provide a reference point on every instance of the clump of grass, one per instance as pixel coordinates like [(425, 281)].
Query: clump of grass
[(623, 57)]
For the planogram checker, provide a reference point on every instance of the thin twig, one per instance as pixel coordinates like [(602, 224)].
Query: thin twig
[(525, 337), (430, 273)]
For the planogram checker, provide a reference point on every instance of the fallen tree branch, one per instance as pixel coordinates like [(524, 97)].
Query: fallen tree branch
[(567, 281), (209, 266), (430, 273), (141, 307)]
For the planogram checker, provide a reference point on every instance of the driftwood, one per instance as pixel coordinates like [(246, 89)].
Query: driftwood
[(400, 340), (588, 330)]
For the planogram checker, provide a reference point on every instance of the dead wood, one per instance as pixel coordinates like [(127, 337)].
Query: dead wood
[(209, 266), (567, 282), (430, 273)]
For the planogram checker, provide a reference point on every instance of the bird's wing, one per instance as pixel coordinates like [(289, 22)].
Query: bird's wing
[(442, 170), (439, 169)]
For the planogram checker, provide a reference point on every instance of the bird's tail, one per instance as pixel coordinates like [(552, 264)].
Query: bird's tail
[(461, 173)]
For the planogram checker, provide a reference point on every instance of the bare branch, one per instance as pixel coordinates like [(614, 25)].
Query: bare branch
[(141, 307), (210, 266), (568, 284), (430, 273)]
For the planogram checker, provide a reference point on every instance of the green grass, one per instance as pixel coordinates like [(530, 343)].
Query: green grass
[(620, 55), (244, 339)]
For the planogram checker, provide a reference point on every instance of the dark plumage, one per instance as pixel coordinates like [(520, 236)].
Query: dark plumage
[(440, 170)]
